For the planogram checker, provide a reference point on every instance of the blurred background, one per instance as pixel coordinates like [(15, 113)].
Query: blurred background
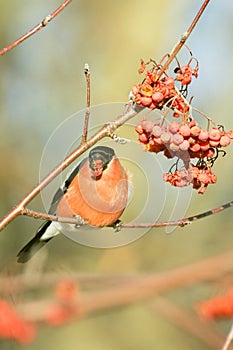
[(42, 84)]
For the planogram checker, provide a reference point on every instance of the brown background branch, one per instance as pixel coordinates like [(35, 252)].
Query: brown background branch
[(140, 287)]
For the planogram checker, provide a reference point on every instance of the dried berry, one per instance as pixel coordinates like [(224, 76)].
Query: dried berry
[(204, 135), (195, 130), (157, 97), (174, 127), (225, 140), (156, 131), (214, 134), (185, 130), (165, 137)]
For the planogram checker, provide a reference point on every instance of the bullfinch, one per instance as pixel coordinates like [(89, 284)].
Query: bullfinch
[(95, 193)]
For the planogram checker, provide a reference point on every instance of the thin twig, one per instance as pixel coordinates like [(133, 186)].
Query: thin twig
[(181, 222), (205, 116), (87, 114), (36, 29), (185, 221), (228, 340), (49, 217), (190, 108), (183, 39)]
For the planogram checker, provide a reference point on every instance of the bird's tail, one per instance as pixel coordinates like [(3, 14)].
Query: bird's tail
[(34, 244)]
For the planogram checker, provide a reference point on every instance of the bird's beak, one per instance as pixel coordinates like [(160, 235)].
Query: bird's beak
[(97, 172)]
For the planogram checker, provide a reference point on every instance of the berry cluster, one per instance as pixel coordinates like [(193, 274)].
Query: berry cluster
[(183, 138), (13, 326), (155, 93), (66, 291), (176, 138), (217, 307), (186, 141), (185, 73), (199, 176)]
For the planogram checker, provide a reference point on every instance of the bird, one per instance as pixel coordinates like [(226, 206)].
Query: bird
[(95, 193)]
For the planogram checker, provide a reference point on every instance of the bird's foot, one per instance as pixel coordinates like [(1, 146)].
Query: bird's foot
[(117, 226)]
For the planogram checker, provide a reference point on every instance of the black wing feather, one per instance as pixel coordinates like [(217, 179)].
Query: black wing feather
[(60, 192), (34, 244)]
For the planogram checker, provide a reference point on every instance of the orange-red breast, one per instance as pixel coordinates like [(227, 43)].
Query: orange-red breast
[(96, 193)]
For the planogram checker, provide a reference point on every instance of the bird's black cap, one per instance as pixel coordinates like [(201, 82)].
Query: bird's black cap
[(103, 153)]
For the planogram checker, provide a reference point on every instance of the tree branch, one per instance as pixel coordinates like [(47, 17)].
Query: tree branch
[(87, 114), (180, 222), (183, 39), (185, 221), (138, 288), (228, 340), (36, 29)]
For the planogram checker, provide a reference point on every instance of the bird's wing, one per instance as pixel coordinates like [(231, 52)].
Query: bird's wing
[(60, 192)]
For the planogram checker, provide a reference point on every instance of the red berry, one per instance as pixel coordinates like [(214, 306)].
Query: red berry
[(152, 141), (156, 131), (186, 79), (195, 147), (148, 125), (139, 129), (177, 139), (66, 291), (184, 146), (210, 153), (146, 101), (169, 82), (205, 146), (146, 90), (157, 97), (158, 140), (143, 138), (173, 147), (225, 140), (165, 137), (191, 140), (195, 130), (165, 91), (204, 178), (204, 135), (214, 134), (174, 127), (184, 130), (214, 143)]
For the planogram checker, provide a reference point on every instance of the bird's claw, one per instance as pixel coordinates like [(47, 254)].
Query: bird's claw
[(117, 226), (117, 139)]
